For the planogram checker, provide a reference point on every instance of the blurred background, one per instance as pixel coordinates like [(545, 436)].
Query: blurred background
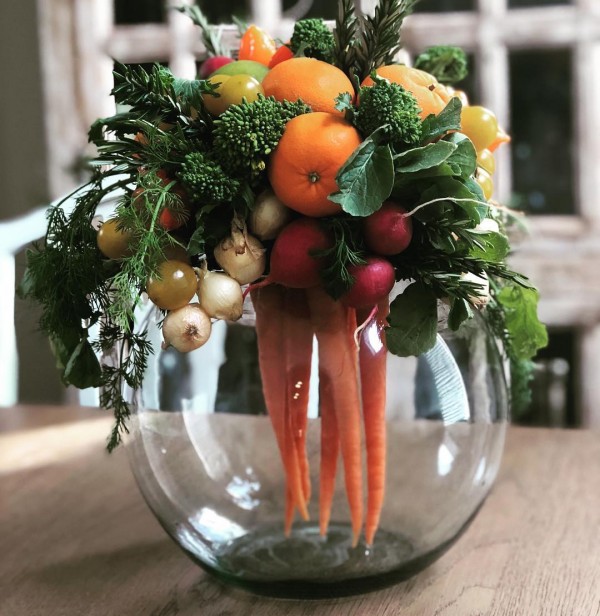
[(536, 63)]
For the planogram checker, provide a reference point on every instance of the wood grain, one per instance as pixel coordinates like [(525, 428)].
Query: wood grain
[(76, 537)]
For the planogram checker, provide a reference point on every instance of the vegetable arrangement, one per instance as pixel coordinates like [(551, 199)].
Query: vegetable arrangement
[(318, 172)]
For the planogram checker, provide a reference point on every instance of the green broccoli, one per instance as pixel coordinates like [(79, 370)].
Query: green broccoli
[(447, 64), (313, 39), (390, 105), (205, 180), (246, 134)]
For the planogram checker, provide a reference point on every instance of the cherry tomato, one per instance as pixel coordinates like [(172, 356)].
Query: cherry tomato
[(167, 219), (501, 137), (174, 285), (113, 242), (257, 45), (484, 179), (215, 104), (486, 160), (281, 55), (479, 125), (240, 87)]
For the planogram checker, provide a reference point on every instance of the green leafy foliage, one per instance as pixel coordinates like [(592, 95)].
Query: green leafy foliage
[(413, 321), (312, 39), (446, 63), (527, 335), (426, 157), (435, 126), (366, 179)]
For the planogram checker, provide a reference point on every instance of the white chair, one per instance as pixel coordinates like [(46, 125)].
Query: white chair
[(16, 234)]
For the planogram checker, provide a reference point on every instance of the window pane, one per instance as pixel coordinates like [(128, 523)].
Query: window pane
[(542, 130), (517, 4), (138, 11), (327, 9), (221, 11), (441, 6)]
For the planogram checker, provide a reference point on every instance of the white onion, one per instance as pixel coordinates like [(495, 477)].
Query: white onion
[(244, 260), (186, 329), (220, 295), (482, 297), (269, 216)]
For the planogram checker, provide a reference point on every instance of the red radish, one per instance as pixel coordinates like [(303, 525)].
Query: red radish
[(388, 231), (373, 282), (210, 65), (292, 263)]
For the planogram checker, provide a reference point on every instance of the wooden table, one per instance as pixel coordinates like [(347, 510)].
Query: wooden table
[(77, 540)]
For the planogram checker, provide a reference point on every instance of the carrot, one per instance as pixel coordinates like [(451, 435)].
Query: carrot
[(373, 392), (298, 339), (338, 359), (330, 448), (270, 328)]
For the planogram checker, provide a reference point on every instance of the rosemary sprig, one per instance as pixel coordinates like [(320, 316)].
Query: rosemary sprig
[(347, 250), (345, 35), (379, 38), (210, 37)]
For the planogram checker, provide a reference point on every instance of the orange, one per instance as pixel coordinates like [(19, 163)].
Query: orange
[(303, 167), (431, 95), (316, 83)]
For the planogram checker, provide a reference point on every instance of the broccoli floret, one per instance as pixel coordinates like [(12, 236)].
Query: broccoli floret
[(447, 64), (246, 134), (313, 39), (390, 105), (205, 180)]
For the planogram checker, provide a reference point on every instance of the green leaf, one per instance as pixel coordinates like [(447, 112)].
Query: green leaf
[(527, 333), (456, 190), (460, 312), (343, 102), (189, 92), (424, 157), (366, 179), (448, 119), (495, 246), (413, 321), (83, 369), (465, 155), (196, 244)]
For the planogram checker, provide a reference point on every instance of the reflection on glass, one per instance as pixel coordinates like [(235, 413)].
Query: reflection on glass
[(542, 129)]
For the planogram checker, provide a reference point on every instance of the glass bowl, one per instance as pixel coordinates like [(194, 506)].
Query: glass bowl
[(206, 459)]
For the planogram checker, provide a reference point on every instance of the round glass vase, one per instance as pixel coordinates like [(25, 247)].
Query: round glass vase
[(206, 459)]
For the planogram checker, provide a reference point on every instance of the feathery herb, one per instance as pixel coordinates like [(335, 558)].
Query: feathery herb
[(209, 34)]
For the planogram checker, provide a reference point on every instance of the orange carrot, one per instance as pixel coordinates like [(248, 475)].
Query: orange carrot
[(373, 354), (298, 338), (330, 447), (338, 360), (270, 328)]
